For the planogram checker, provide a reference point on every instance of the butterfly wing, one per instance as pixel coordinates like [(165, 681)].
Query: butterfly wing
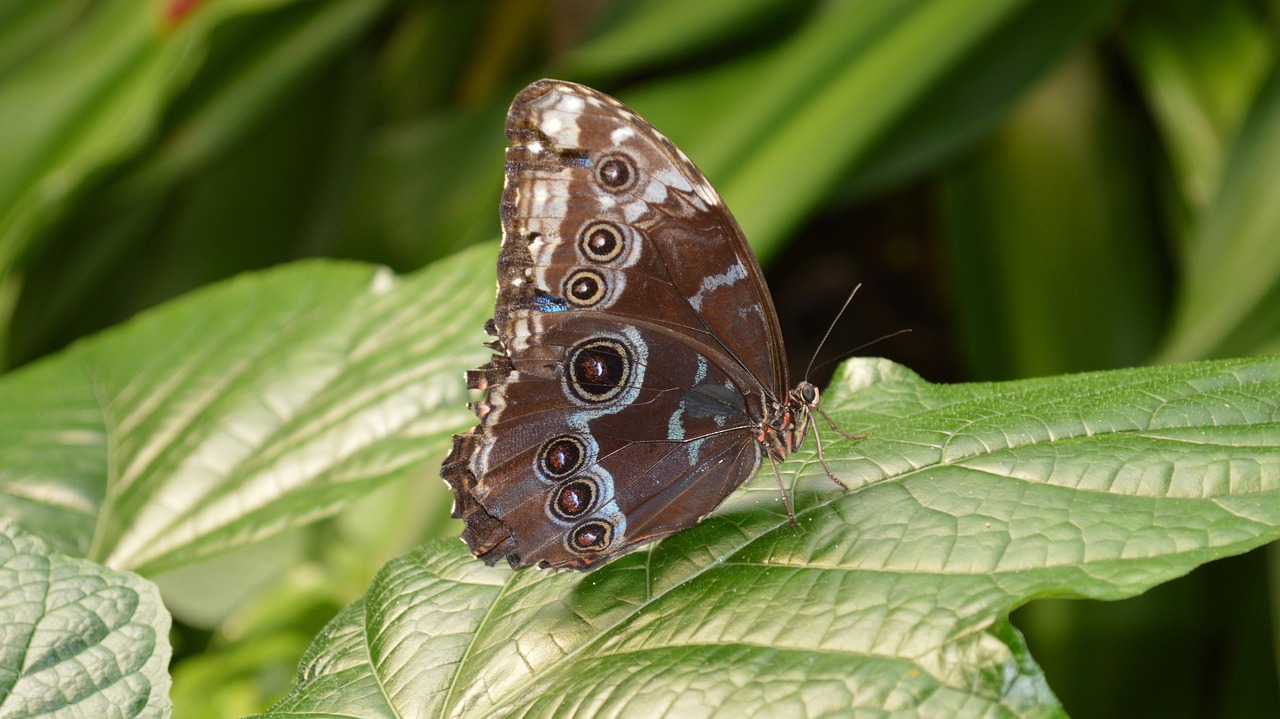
[(639, 343), (614, 445), (597, 199)]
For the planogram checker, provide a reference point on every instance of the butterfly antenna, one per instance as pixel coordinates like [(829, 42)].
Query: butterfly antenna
[(861, 347), (831, 327)]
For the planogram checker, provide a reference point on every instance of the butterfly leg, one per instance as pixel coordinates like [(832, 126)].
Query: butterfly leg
[(782, 489), (836, 427), (817, 440)]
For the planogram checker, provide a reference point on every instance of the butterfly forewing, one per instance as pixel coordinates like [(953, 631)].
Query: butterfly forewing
[(640, 350), (597, 193)]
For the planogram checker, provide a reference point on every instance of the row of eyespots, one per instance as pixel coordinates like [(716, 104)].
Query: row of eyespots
[(560, 458), (600, 242), (598, 369)]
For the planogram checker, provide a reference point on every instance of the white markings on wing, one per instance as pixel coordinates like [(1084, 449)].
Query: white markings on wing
[(621, 135), (671, 178), (735, 273), (633, 211), (655, 193)]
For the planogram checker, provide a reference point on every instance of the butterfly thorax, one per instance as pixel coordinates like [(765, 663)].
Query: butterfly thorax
[(786, 423)]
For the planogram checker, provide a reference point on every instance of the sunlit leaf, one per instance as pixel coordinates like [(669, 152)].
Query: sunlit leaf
[(256, 405)]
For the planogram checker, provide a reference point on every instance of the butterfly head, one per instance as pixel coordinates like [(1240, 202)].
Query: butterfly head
[(802, 401), (805, 395)]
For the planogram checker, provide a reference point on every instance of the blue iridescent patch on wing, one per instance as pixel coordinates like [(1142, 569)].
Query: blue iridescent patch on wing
[(545, 302)]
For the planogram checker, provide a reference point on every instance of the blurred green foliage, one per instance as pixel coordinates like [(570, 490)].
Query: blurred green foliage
[(1087, 185)]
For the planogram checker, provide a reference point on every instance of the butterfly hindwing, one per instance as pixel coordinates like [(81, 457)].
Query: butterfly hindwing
[(563, 447)]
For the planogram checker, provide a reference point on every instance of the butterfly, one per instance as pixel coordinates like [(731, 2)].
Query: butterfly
[(639, 374)]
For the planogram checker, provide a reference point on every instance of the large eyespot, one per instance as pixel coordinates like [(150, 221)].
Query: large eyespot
[(601, 241), (574, 499), (561, 456), (592, 536), (616, 172), (598, 370), (585, 288)]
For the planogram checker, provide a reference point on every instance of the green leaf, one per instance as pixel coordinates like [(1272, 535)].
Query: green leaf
[(80, 104), (812, 107), (1229, 303), (1056, 196), (975, 93), (80, 640), (28, 26), (642, 35), (170, 198), (252, 67), (1199, 64), (862, 93), (850, 103), (968, 501), (247, 408), (426, 189)]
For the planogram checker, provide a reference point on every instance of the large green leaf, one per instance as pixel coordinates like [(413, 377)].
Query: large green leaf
[(80, 640), (967, 501), (240, 411)]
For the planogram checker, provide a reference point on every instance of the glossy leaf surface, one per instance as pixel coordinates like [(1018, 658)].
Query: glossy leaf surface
[(256, 405)]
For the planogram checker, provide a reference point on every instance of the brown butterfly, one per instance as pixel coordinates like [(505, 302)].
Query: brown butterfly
[(641, 376)]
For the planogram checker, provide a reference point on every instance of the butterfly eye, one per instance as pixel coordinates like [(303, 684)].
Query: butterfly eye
[(585, 288), (616, 172), (561, 457), (808, 393), (600, 241), (593, 536), (598, 370), (574, 499)]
